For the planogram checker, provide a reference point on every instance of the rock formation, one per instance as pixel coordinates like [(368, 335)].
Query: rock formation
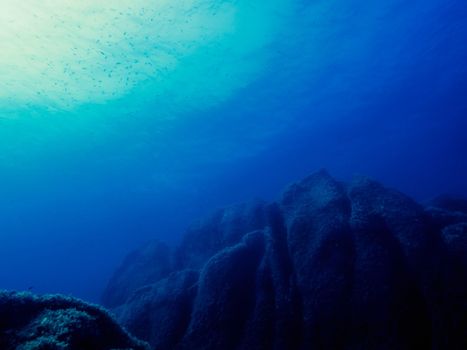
[(53, 322), (330, 265)]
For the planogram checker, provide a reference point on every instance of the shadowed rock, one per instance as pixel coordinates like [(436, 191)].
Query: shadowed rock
[(224, 228), (329, 266), (449, 203), (53, 322), (161, 312), (446, 210), (146, 265)]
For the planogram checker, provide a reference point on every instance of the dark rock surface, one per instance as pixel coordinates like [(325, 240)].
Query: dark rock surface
[(446, 210), (53, 322), (147, 265), (224, 228), (160, 313), (449, 203), (331, 265)]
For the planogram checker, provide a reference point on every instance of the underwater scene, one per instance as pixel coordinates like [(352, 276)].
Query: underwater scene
[(233, 174)]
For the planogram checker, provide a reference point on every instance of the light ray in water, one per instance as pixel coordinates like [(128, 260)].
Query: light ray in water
[(62, 54)]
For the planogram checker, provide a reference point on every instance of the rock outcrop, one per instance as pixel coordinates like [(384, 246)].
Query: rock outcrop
[(330, 265), (150, 263), (53, 322)]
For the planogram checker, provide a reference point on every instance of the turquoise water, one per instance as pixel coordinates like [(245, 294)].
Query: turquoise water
[(124, 122)]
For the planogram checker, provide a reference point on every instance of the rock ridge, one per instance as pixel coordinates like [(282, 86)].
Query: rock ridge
[(329, 265)]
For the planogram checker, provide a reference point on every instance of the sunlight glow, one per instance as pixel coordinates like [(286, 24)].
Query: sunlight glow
[(65, 53)]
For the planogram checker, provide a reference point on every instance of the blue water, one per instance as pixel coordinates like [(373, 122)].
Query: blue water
[(123, 123)]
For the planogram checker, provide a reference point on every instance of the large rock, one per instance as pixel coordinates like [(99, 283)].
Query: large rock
[(144, 266), (446, 210), (161, 312), (154, 261), (316, 212), (224, 228), (53, 322), (391, 236), (449, 203), (329, 266), (226, 296)]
